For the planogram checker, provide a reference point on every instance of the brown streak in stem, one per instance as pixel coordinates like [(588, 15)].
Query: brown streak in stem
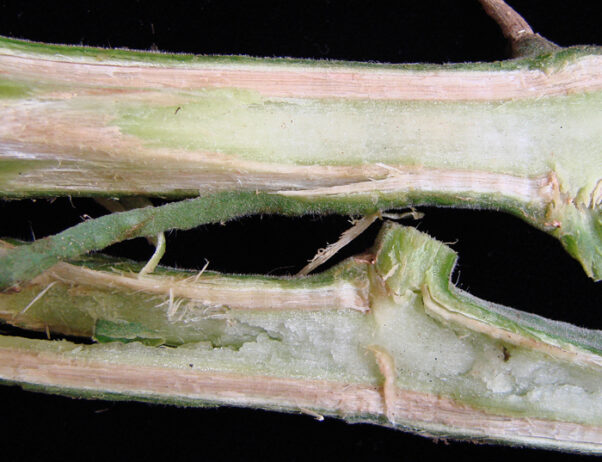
[(564, 353), (213, 290), (320, 81), (417, 409)]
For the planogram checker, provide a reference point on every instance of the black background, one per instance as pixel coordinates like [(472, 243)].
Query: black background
[(501, 258)]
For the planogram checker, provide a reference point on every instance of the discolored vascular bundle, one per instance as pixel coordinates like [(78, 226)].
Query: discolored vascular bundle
[(383, 337)]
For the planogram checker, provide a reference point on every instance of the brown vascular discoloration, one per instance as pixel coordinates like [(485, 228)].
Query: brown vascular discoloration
[(318, 82), (403, 407), (204, 171), (565, 352), (215, 290), (405, 179)]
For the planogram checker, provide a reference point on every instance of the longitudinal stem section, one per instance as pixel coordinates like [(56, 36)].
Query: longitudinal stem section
[(521, 136), (381, 338), (73, 124)]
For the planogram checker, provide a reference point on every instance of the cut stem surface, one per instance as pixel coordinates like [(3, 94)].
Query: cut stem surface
[(521, 136), (385, 339)]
